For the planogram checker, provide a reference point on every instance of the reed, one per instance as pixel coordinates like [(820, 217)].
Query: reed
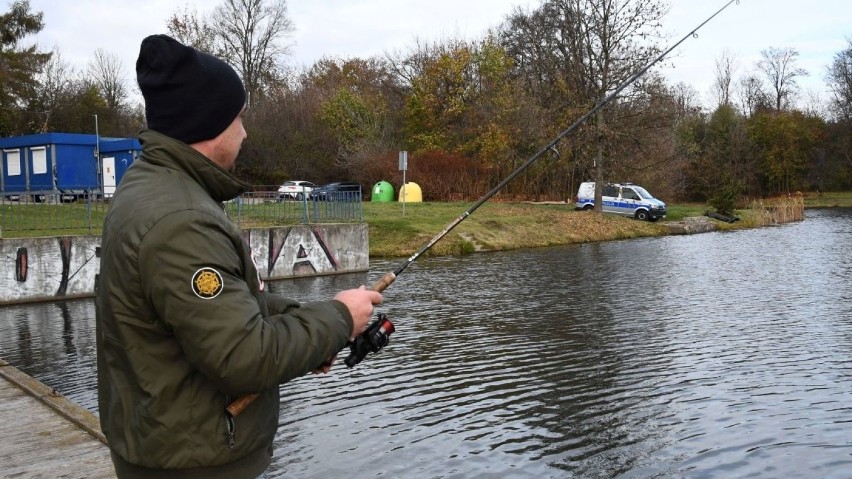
[(778, 210)]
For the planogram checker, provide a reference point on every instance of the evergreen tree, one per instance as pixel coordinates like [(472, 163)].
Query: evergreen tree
[(19, 65)]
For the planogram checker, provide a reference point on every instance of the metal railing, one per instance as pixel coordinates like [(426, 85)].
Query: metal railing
[(51, 212), (264, 208), (46, 212)]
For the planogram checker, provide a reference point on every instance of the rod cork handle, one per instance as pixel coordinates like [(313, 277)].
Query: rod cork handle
[(383, 282), (239, 404)]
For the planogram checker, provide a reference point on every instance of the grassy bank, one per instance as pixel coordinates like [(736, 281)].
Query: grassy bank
[(494, 226), (504, 226), (828, 200)]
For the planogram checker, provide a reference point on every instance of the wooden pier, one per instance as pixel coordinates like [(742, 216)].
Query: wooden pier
[(45, 435)]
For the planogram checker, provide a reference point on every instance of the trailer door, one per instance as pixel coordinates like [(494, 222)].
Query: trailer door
[(108, 166)]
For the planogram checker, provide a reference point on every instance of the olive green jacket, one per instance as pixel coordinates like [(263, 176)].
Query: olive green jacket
[(184, 328)]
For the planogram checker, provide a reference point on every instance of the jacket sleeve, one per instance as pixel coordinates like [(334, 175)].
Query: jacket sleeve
[(193, 275), (277, 304)]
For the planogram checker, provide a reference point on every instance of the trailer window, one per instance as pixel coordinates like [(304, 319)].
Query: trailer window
[(39, 160), (13, 162)]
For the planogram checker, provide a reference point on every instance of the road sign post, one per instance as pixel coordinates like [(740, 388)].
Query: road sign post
[(403, 166)]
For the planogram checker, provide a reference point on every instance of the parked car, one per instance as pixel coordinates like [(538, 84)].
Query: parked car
[(295, 190), (337, 191), (623, 199)]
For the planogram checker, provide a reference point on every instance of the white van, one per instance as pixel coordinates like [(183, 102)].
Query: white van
[(623, 199)]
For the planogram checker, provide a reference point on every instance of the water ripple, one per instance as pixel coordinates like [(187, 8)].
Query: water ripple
[(715, 355)]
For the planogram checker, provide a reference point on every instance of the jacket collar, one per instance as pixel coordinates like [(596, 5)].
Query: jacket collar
[(162, 150)]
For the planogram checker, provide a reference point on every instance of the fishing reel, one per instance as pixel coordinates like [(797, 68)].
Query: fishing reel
[(374, 338)]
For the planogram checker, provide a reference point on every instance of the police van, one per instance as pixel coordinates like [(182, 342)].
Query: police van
[(624, 199)]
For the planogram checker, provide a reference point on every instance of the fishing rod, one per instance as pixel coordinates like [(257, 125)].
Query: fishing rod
[(377, 334)]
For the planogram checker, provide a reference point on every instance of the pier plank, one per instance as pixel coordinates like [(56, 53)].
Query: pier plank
[(39, 442)]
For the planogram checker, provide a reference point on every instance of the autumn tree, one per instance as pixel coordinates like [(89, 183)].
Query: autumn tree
[(19, 65), (577, 51), (720, 169), (361, 109), (785, 143), (464, 102)]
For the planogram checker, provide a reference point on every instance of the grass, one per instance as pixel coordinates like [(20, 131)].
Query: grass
[(828, 200), (494, 226)]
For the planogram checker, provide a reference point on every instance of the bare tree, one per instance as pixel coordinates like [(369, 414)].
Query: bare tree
[(839, 79), (779, 67), (250, 34), (55, 80), (188, 28), (686, 100), (106, 73), (753, 95), (725, 67)]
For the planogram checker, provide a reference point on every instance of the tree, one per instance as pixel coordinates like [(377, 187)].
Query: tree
[(464, 102), (839, 78), (720, 172), (250, 35), (55, 83), (753, 95), (361, 111), (785, 143), (581, 50), (19, 65), (779, 67), (106, 72), (725, 67), (188, 28)]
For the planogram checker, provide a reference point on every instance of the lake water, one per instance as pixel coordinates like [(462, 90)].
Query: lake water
[(712, 355)]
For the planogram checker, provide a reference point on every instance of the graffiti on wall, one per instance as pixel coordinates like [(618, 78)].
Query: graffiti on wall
[(46, 268), (291, 252), (40, 269)]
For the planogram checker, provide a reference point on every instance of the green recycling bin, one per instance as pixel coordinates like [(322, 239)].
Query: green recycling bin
[(382, 192)]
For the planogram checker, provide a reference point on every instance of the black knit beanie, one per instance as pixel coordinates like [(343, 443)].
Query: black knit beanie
[(189, 95)]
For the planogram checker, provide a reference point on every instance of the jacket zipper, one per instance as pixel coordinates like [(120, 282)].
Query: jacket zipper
[(231, 424)]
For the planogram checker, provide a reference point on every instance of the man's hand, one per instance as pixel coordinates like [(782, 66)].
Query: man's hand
[(360, 304)]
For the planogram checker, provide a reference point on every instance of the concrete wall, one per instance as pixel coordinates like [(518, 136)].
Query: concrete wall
[(46, 269)]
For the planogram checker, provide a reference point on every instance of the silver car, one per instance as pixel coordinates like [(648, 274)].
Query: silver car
[(295, 190)]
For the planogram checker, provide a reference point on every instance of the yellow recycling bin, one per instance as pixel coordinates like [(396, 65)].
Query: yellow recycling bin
[(410, 193)]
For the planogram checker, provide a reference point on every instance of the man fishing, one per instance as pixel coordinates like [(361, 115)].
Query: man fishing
[(184, 325)]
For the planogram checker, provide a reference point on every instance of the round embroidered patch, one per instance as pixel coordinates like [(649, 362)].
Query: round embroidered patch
[(207, 283)]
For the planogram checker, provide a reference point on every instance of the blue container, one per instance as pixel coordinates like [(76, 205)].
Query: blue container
[(63, 163)]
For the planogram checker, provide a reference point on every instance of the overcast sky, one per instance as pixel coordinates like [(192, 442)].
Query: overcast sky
[(817, 29)]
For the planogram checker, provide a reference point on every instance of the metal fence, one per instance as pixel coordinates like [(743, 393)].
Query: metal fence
[(262, 208), (46, 213)]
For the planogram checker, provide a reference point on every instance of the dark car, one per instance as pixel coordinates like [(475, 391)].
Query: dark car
[(337, 191)]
